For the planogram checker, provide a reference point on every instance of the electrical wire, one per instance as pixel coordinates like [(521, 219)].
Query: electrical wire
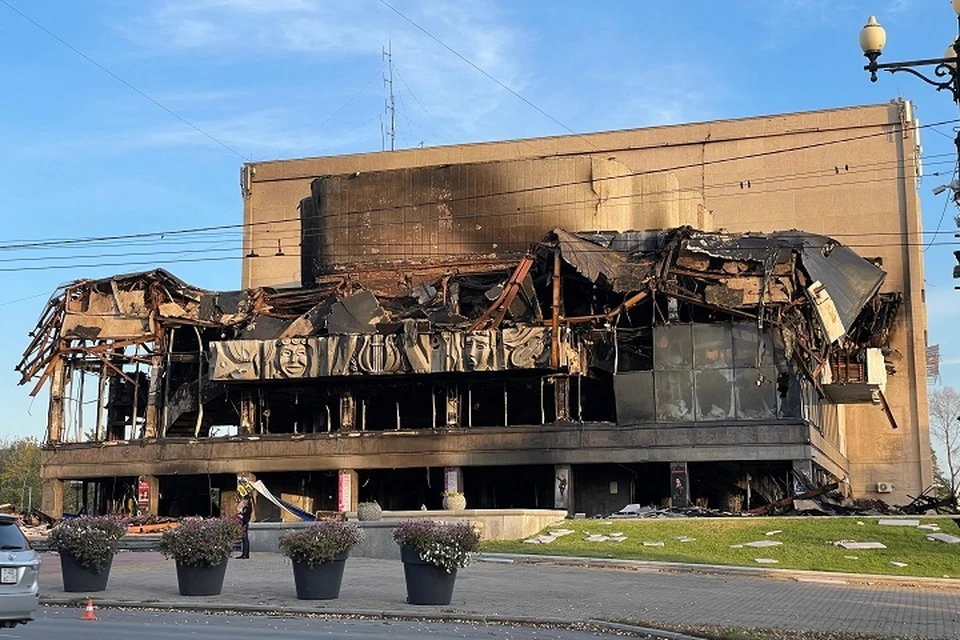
[(446, 133), (485, 73), (943, 213), (122, 81), (250, 225), (267, 245)]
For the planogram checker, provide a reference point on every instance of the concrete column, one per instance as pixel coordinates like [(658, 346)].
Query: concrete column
[(453, 479), (248, 413), (348, 411), (563, 487), (51, 502), (347, 489), (561, 398), (453, 406), (679, 485), (152, 414), (153, 504), (148, 495), (58, 385)]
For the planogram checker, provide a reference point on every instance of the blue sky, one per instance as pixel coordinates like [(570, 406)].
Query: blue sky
[(84, 154)]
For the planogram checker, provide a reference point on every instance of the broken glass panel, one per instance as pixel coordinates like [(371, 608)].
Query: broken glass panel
[(712, 346), (714, 394), (756, 391), (672, 348), (789, 403), (674, 394), (745, 339), (634, 397)]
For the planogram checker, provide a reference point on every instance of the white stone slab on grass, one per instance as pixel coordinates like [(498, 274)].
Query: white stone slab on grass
[(597, 538), (556, 533), (898, 522), (945, 538), (898, 564), (759, 544), (774, 532), (684, 539), (929, 527), (852, 544), (653, 543), (766, 561)]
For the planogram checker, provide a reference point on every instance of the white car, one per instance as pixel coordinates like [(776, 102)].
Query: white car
[(19, 575)]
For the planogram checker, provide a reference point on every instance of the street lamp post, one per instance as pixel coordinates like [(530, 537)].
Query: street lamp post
[(946, 77), (873, 38)]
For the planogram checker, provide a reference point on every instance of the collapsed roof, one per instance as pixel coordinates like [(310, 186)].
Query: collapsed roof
[(820, 296)]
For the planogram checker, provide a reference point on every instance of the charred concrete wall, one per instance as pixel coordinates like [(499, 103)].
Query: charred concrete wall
[(498, 208)]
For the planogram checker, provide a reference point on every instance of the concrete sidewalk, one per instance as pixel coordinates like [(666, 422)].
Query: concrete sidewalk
[(539, 590)]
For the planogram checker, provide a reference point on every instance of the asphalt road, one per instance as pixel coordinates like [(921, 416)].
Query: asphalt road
[(55, 623)]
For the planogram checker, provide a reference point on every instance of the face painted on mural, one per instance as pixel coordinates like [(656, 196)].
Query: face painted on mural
[(292, 359)]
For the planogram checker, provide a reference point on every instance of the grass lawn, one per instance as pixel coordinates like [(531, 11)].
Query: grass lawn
[(805, 543)]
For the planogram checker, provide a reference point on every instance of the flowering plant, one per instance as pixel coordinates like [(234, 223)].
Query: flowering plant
[(200, 542), (91, 540), (445, 544), (321, 542)]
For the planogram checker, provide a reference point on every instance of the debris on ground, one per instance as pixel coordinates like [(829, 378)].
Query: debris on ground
[(898, 522), (945, 538), (808, 499), (760, 544), (853, 544)]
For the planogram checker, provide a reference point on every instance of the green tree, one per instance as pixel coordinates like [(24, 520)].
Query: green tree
[(20, 483)]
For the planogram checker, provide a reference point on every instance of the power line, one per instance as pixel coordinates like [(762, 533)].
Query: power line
[(487, 215), (349, 100), (152, 264), (943, 213), (594, 180), (266, 243), (488, 75), (417, 100), (122, 81), (250, 225)]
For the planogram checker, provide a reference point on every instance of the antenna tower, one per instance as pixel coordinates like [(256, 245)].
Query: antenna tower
[(390, 106)]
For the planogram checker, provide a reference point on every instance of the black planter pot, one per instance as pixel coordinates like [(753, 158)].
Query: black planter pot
[(426, 582), (201, 581), (79, 578), (319, 582)]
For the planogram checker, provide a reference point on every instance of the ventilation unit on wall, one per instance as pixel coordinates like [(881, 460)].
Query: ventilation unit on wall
[(884, 487)]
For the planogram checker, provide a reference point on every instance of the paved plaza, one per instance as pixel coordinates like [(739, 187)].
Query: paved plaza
[(552, 592)]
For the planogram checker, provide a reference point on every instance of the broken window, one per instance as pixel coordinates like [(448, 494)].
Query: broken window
[(756, 393), (635, 397), (674, 396), (714, 394), (672, 348), (712, 346)]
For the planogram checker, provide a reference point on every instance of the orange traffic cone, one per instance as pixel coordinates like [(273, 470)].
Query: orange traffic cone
[(89, 614)]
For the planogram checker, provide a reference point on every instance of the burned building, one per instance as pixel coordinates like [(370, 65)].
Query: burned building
[(534, 329)]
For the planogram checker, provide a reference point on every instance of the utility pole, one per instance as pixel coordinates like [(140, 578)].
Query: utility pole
[(390, 104)]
